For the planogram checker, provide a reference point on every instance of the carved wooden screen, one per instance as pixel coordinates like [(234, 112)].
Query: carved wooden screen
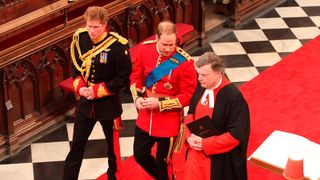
[(30, 85)]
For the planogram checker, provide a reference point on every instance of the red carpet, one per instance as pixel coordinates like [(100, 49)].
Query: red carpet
[(284, 97)]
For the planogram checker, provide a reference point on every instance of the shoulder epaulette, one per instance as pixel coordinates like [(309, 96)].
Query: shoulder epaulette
[(183, 53), (121, 39), (79, 31), (149, 42)]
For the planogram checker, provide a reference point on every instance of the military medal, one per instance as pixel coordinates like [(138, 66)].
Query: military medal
[(167, 85), (103, 57)]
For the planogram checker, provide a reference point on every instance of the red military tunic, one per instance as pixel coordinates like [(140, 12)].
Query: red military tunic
[(176, 88)]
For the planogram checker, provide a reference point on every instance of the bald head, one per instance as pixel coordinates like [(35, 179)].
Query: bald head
[(166, 27)]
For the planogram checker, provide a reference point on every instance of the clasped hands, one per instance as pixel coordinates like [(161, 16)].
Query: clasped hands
[(147, 103), (195, 142), (87, 92)]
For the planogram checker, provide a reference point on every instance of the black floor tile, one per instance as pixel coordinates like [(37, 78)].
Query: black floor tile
[(230, 37), (125, 96), (48, 170), (58, 135), (277, 34), (289, 3), (299, 22), (271, 14), (128, 128), (24, 156), (304, 41), (312, 11), (250, 25), (200, 51), (232, 61), (256, 47), (261, 69), (283, 54)]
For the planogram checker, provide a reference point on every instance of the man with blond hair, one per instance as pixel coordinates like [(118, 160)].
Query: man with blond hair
[(101, 69)]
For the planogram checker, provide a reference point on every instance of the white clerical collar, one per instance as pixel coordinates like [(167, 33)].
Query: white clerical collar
[(210, 93)]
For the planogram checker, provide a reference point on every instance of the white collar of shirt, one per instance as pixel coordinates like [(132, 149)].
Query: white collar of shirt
[(210, 93)]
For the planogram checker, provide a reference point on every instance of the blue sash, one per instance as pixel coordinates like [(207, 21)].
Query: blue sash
[(164, 68)]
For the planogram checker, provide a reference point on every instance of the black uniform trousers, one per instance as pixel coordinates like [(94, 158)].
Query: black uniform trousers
[(82, 129), (143, 143)]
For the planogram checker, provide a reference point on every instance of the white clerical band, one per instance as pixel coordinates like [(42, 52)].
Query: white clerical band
[(210, 93)]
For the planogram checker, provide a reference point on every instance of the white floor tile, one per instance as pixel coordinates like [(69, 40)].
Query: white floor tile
[(93, 168), (316, 20), (129, 111), (97, 132), (308, 2), (242, 74), (250, 35), (306, 32), (70, 131), (126, 146), (286, 45), (288, 12), (48, 152), (271, 23), (22, 171), (264, 59), (229, 48)]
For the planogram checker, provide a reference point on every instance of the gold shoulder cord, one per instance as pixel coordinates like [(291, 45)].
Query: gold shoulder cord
[(87, 57), (121, 39), (183, 53), (149, 42), (75, 42)]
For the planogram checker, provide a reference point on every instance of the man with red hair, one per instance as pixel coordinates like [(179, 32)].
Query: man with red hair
[(101, 69)]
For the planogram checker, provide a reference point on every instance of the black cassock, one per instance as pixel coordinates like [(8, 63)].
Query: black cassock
[(231, 114)]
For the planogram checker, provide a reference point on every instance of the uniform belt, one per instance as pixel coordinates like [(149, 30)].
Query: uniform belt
[(156, 95)]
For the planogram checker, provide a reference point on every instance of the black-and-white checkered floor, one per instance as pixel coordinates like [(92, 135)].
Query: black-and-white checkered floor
[(246, 51)]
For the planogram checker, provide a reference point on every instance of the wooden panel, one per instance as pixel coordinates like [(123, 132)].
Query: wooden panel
[(242, 9), (3, 147), (3, 117), (20, 86), (12, 9)]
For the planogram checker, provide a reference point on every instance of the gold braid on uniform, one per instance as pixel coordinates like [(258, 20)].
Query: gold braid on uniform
[(169, 155), (75, 42), (121, 39), (183, 53), (87, 57), (86, 65)]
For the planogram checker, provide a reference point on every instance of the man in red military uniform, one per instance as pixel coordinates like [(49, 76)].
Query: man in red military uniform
[(101, 69), (162, 82), (221, 155)]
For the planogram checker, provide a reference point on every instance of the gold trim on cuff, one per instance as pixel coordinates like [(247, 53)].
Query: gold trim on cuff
[(101, 92), (134, 91), (169, 104)]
